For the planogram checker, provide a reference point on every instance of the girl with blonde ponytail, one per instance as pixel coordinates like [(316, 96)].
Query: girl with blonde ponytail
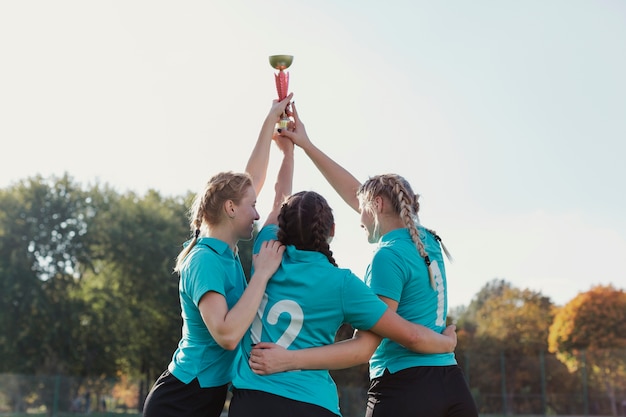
[(217, 303), (407, 272)]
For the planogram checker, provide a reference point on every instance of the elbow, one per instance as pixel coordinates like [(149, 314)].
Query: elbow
[(227, 343), (227, 340)]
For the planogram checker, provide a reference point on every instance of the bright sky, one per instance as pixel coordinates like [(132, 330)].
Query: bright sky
[(508, 117)]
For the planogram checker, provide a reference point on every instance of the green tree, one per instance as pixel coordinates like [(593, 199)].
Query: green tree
[(86, 280), (42, 246), (139, 239), (591, 330)]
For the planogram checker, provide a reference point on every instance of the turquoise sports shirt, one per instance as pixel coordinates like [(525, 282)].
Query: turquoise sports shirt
[(397, 271), (210, 266), (306, 302)]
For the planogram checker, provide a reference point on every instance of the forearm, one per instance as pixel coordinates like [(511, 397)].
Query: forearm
[(259, 158), (340, 355), (338, 177), (238, 319), (284, 181), (429, 341), (413, 336)]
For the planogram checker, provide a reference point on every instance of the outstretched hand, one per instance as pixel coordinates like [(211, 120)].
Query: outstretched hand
[(268, 358), (297, 132), (280, 107)]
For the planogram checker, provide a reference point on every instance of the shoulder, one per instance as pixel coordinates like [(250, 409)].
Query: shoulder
[(388, 252), (268, 232), (349, 281), (205, 254)]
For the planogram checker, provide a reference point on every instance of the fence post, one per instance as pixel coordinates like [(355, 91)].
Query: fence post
[(542, 362), (55, 400), (584, 378), (503, 384)]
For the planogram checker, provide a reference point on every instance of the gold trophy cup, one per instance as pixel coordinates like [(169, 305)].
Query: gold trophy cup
[(281, 63)]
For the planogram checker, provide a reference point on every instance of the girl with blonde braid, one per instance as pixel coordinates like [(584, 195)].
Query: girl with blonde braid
[(217, 304), (407, 272)]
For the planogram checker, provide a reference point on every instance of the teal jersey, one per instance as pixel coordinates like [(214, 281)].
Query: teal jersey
[(305, 303), (210, 266), (398, 272)]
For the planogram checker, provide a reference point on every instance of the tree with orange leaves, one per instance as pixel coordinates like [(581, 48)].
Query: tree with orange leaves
[(590, 331)]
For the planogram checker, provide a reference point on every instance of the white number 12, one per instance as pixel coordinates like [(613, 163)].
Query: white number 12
[(284, 306)]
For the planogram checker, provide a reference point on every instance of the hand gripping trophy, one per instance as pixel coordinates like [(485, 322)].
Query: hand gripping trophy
[(281, 63)]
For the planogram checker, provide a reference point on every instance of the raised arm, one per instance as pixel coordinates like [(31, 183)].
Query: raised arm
[(284, 180), (259, 158), (268, 358), (337, 176)]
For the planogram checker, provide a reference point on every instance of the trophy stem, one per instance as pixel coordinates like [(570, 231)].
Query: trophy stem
[(281, 63)]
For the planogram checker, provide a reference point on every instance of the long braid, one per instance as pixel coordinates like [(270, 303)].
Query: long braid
[(206, 207), (443, 247), (409, 217), (320, 231), (416, 209), (404, 202)]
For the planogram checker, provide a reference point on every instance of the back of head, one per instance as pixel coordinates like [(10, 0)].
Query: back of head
[(395, 188), (306, 222)]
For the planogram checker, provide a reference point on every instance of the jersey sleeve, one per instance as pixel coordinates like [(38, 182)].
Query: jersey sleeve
[(206, 273), (269, 232), (386, 276), (362, 308)]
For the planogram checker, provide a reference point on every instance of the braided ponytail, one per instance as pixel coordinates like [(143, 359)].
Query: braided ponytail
[(405, 204)]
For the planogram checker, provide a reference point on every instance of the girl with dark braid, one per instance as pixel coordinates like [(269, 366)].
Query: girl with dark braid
[(407, 272), (217, 304), (306, 301)]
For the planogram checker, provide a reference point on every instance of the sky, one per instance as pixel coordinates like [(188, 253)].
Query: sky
[(507, 117)]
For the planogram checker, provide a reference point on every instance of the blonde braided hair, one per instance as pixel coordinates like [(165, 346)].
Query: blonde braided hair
[(207, 205), (404, 203)]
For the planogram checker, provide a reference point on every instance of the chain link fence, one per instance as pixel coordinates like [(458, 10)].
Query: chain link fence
[(501, 385)]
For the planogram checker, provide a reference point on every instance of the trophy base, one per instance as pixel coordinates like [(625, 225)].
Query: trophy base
[(283, 123)]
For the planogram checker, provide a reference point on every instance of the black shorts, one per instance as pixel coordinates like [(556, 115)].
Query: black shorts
[(247, 402), (428, 391), (169, 397)]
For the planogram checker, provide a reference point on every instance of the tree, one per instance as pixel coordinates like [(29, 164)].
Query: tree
[(86, 280), (139, 239), (502, 335), (42, 246), (591, 329)]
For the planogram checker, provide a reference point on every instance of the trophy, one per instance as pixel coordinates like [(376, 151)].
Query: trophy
[(281, 63)]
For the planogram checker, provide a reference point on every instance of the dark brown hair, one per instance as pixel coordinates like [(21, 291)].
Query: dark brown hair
[(306, 221)]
